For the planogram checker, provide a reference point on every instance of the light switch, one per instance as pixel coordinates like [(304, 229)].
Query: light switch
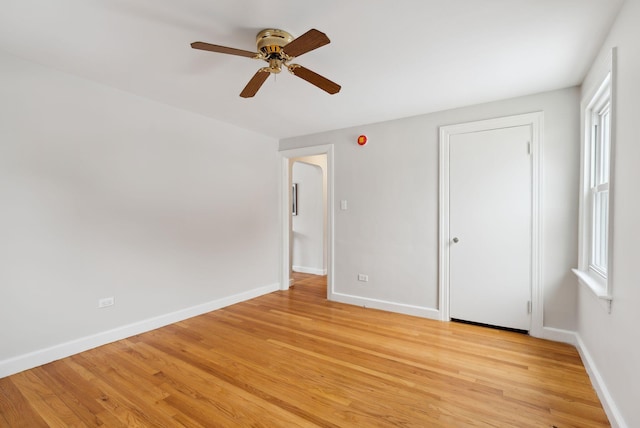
[(343, 205)]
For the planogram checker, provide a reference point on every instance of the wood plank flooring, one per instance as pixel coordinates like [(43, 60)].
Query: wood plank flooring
[(293, 359)]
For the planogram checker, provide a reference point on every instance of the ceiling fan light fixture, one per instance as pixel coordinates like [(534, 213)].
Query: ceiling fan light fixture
[(275, 65)]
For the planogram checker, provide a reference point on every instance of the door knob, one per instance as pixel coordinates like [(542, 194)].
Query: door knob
[(455, 240)]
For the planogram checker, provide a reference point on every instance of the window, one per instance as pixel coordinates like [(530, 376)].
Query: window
[(600, 142), (594, 266)]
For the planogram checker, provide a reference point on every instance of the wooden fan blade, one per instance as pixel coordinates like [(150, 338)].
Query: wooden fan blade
[(309, 41), (315, 79), (255, 83), (222, 49)]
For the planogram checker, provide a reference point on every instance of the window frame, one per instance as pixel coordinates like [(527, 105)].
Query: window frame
[(599, 147), (596, 183)]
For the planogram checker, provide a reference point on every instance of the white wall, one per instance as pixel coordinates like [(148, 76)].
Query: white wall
[(611, 341), (107, 194), (390, 230), (308, 225)]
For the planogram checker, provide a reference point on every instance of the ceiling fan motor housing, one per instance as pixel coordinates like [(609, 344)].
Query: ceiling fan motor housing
[(270, 42)]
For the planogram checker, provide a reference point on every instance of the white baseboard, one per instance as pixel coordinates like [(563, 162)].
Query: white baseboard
[(559, 335), (615, 417), (312, 271), (401, 308), (573, 338), (43, 356)]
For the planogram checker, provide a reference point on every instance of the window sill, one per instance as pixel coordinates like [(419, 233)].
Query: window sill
[(593, 284)]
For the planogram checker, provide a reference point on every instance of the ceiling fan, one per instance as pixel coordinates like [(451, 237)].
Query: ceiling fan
[(278, 48)]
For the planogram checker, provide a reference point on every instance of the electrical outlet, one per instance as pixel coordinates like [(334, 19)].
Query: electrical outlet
[(107, 301), (362, 277)]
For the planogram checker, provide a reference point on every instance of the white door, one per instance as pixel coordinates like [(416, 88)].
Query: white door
[(490, 225)]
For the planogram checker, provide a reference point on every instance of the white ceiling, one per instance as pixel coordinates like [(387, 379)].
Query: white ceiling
[(393, 58)]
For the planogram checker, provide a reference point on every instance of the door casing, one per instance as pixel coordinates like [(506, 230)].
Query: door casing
[(535, 121)]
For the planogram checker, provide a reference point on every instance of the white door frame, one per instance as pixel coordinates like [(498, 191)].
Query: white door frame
[(285, 210), (535, 121)]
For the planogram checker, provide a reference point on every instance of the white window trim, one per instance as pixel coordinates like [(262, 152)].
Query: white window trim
[(600, 286)]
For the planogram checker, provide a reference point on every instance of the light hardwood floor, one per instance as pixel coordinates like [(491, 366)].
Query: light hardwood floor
[(292, 359)]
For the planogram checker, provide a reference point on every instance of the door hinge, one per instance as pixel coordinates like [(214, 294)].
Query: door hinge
[(529, 307), (528, 147)]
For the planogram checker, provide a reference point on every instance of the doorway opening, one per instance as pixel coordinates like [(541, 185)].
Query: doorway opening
[(307, 236)]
